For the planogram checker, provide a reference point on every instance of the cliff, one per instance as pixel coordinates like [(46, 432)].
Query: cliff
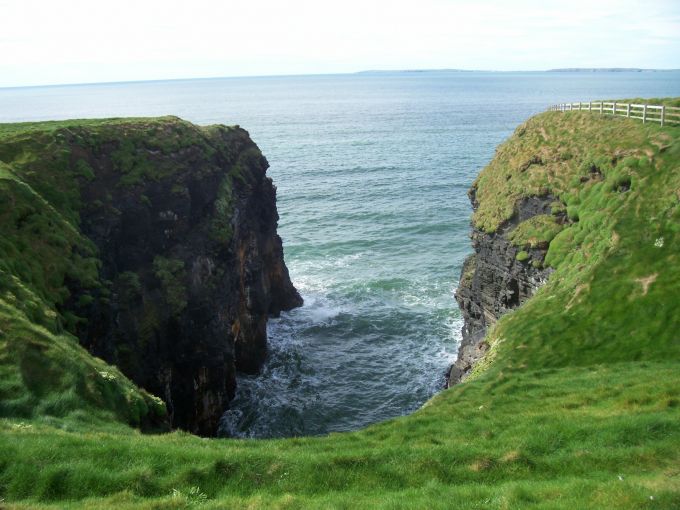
[(559, 206), (169, 260)]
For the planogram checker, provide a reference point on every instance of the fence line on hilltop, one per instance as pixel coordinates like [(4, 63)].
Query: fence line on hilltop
[(645, 112)]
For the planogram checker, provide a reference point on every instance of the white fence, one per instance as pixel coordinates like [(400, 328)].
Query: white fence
[(645, 112)]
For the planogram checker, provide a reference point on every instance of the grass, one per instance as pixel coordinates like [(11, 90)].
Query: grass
[(535, 232), (547, 438), (47, 377), (171, 273), (576, 405)]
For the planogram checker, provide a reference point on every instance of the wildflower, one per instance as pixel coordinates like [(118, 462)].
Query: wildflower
[(659, 242)]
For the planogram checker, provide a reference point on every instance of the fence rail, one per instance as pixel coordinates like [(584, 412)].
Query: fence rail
[(645, 112)]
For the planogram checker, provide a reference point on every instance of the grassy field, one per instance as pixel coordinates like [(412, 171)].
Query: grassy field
[(577, 404)]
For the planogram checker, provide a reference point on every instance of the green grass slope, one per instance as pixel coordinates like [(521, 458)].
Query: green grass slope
[(577, 404), (615, 294)]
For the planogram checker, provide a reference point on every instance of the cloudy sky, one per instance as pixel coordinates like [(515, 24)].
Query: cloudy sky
[(72, 41)]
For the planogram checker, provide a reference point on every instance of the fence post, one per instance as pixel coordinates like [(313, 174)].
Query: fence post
[(627, 109), (601, 107), (614, 108), (579, 106), (663, 114), (644, 113), (590, 106)]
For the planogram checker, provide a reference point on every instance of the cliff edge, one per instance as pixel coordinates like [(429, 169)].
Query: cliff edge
[(499, 277), (165, 260), (563, 201)]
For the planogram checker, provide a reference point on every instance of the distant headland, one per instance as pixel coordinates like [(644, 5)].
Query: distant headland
[(557, 70), (607, 70)]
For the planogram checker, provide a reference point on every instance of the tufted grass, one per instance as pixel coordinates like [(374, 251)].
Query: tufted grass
[(604, 436)]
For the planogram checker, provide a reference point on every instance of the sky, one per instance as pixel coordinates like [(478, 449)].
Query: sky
[(72, 41)]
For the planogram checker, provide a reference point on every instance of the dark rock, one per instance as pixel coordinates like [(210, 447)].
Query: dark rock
[(493, 281), (194, 268)]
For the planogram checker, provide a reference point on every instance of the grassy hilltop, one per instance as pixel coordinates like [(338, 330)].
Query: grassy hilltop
[(576, 405)]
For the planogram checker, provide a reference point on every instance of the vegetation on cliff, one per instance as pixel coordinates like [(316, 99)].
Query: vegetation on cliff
[(107, 239), (614, 294), (576, 404), (44, 373)]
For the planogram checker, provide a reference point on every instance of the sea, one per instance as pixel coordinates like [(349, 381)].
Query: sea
[(372, 171)]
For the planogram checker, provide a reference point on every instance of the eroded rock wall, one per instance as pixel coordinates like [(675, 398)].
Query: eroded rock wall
[(191, 261), (493, 281)]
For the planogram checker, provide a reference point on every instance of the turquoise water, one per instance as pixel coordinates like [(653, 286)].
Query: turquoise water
[(372, 172)]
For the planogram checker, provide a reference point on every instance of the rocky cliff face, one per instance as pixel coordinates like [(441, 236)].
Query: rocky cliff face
[(494, 280), (190, 265)]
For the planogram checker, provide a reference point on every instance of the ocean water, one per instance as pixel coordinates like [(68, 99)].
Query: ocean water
[(372, 172)]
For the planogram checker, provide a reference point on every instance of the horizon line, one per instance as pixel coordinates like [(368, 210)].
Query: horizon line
[(365, 71)]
